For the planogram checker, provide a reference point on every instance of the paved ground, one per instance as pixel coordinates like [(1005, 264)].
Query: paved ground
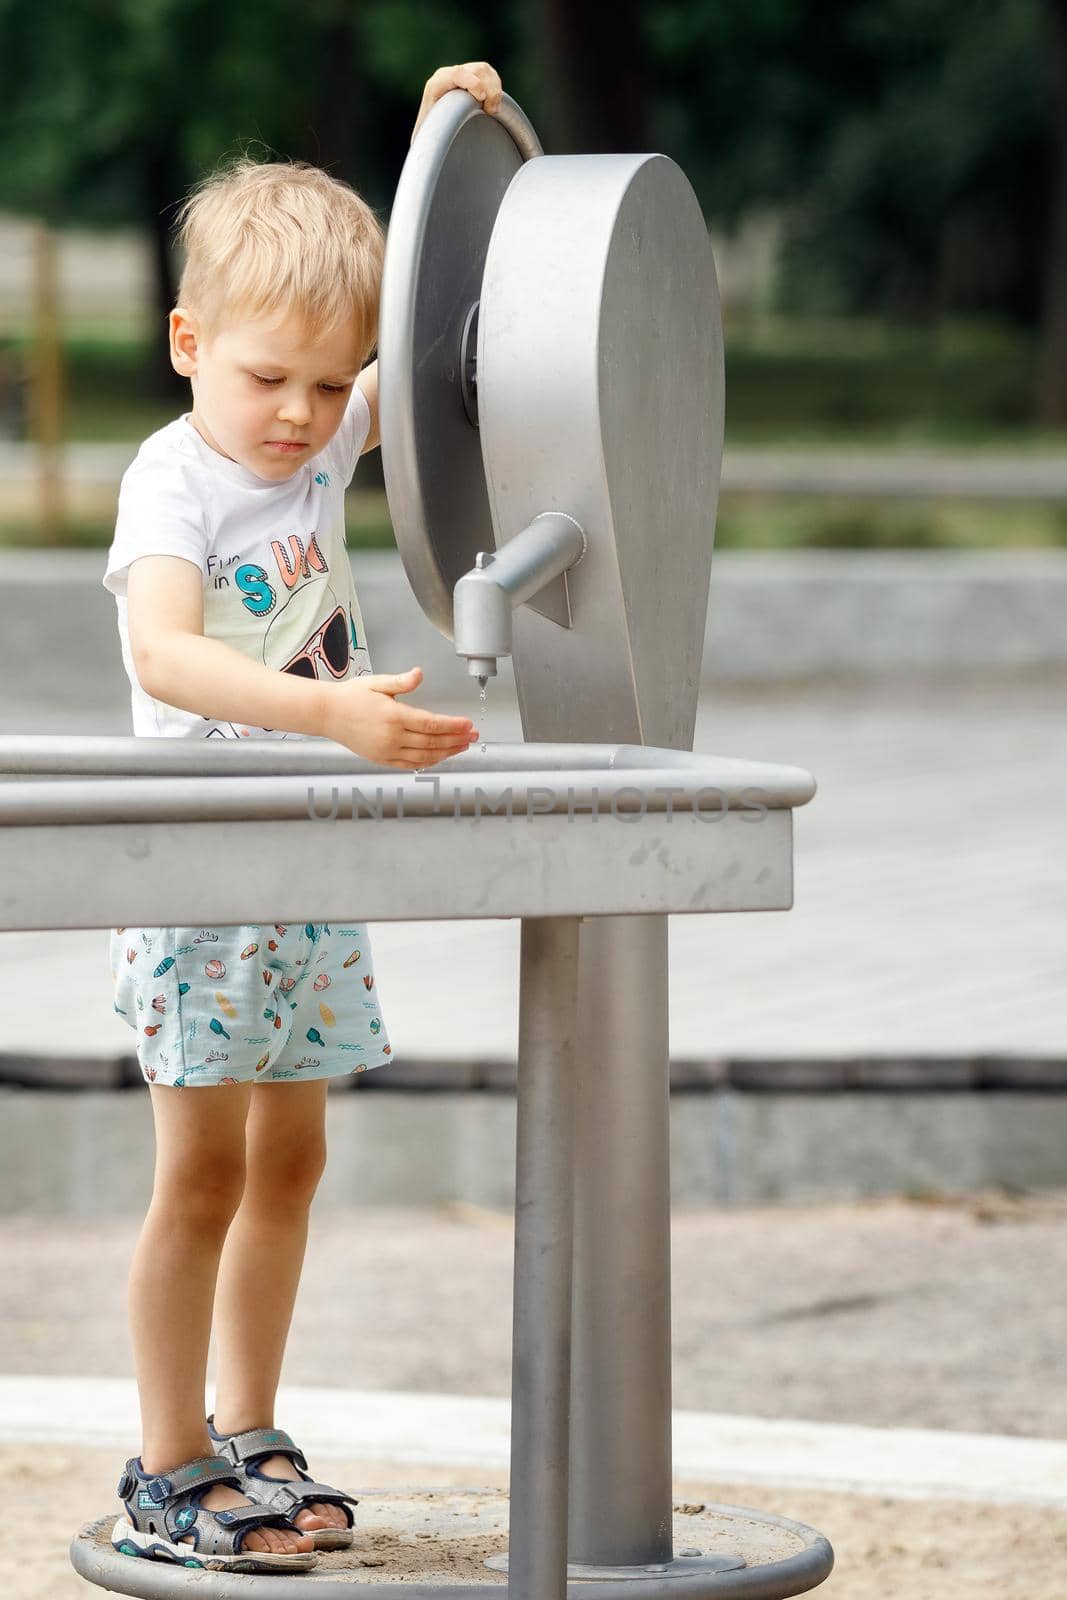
[(931, 895), (884, 1313)]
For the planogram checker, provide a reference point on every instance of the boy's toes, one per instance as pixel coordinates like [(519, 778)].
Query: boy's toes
[(296, 1544), (255, 1540), (331, 1516), (280, 1541), (310, 1518)]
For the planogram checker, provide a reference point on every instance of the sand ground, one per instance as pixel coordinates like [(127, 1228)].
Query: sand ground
[(885, 1549), (937, 1313)]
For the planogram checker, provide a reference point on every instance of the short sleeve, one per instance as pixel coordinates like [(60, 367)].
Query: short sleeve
[(343, 450), (160, 513)]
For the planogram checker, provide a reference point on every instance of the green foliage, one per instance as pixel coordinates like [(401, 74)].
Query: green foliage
[(933, 194), (96, 95), (907, 141), (753, 522), (890, 383), (405, 40)]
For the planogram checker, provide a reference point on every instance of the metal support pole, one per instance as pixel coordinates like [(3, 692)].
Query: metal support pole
[(544, 1166), (620, 1452)]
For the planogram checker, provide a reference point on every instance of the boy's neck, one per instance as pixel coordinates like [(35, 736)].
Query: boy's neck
[(206, 436)]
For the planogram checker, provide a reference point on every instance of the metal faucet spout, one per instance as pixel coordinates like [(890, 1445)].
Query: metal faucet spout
[(500, 580)]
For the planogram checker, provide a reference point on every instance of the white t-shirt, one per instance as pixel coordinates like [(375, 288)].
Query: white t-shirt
[(277, 580)]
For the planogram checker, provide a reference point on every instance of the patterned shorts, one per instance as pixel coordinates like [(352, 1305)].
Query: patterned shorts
[(240, 1004)]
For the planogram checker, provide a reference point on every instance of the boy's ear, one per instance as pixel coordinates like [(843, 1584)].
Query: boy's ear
[(184, 342)]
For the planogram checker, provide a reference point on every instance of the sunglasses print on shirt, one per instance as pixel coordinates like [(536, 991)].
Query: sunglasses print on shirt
[(328, 644)]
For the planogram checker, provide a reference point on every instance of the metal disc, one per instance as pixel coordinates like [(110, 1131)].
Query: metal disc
[(601, 395), (432, 1544), (455, 176)]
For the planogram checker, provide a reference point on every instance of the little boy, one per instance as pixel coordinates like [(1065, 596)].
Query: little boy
[(238, 616)]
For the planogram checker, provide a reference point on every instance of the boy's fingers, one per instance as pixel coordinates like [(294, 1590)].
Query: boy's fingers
[(477, 77), (393, 682), (425, 758), (487, 86), (428, 722), (444, 741)]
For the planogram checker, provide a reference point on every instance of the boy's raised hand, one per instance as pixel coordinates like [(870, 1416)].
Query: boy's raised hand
[(477, 77), (363, 715)]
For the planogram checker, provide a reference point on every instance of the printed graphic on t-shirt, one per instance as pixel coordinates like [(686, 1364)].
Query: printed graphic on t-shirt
[(289, 612)]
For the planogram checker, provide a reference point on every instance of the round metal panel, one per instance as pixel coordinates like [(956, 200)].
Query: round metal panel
[(454, 179), (601, 392)]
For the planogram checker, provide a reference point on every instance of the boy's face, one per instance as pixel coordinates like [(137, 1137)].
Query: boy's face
[(264, 394)]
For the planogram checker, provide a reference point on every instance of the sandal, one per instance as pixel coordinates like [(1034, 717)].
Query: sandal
[(162, 1508), (288, 1495)]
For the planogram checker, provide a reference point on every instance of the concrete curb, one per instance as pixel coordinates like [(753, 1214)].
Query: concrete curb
[(469, 1432), (752, 1075), (90, 1154)]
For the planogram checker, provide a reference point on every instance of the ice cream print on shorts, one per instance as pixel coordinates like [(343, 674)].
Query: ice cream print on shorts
[(212, 1006)]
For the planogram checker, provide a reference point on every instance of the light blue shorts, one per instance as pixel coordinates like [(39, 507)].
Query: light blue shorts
[(249, 1004)]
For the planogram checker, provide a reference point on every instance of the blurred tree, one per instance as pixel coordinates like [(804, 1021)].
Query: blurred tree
[(909, 144), (1054, 363), (884, 131), (110, 109), (594, 75), (916, 148)]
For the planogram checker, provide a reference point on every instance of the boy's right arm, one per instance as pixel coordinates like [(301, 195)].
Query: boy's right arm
[(177, 664)]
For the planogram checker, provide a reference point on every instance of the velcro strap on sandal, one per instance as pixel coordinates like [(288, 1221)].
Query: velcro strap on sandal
[(214, 1531), (234, 1515), (193, 1475), (296, 1494), (256, 1444)]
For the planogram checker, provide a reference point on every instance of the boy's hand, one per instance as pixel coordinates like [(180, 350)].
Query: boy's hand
[(477, 77), (363, 715)]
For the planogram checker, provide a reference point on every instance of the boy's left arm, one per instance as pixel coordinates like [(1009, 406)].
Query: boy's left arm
[(368, 383), (483, 82)]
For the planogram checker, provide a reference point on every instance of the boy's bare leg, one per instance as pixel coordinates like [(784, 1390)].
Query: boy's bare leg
[(199, 1177), (285, 1152)]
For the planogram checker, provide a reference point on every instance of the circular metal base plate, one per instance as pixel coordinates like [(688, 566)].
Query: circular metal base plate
[(450, 189), (436, 1543), (685, 1566)]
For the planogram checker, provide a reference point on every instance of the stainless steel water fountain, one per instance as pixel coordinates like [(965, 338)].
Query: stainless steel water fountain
[(551, 390)]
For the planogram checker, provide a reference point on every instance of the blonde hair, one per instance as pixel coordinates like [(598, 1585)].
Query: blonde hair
[(281, 236)]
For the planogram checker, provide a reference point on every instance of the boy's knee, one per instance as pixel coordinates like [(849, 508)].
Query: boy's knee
[(289, 1176), (202, 1192)]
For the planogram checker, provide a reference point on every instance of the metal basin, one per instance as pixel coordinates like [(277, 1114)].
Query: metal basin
[(239, 832)]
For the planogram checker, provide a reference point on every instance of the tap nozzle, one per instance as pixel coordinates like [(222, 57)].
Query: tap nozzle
[(484, 598)]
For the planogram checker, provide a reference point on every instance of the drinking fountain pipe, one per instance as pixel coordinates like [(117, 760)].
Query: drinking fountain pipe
[(486, 596), (601, 388), (550, 333)]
